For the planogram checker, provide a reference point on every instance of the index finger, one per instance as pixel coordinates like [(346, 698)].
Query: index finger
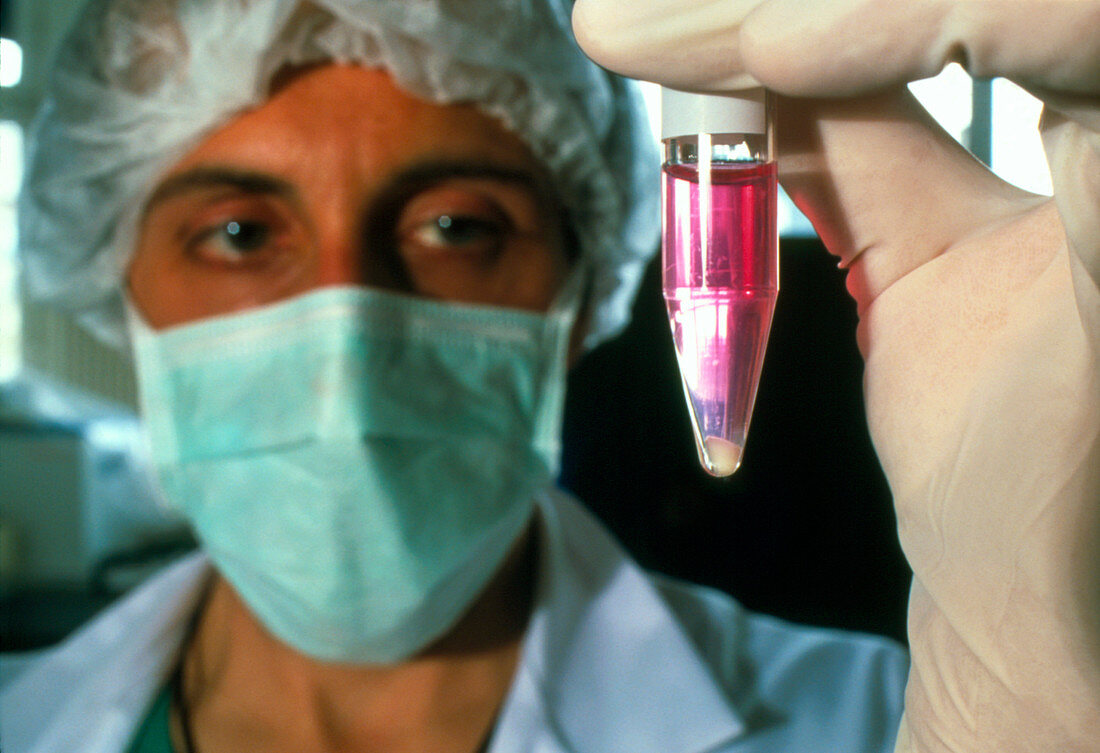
[(883, 183)]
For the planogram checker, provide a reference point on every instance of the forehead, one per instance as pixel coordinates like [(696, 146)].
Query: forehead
[(357, 119)]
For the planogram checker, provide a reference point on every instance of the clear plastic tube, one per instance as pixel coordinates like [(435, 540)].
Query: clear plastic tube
[(720, 256)]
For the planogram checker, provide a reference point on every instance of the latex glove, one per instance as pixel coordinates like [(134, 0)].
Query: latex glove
[(979, 321)]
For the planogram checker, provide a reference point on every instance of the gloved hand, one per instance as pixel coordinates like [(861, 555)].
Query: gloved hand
[(979, 320)]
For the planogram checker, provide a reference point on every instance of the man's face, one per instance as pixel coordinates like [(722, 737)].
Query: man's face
[(340, 178)]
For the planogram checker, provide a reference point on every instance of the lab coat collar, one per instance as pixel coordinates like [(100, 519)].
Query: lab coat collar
[(606, 666), (90, 691)]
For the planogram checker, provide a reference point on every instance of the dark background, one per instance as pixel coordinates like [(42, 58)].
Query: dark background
[(805, 529)]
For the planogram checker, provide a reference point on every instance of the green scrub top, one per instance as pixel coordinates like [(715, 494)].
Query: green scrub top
[(153, 736)]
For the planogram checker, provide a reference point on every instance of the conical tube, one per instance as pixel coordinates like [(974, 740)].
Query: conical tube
[(720, 257)]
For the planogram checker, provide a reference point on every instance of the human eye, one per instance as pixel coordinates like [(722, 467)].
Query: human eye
[(453, 225), (233, 240), (239, 236), (456, 232)]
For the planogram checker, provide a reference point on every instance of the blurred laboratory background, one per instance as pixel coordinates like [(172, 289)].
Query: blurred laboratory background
[(803, 530)]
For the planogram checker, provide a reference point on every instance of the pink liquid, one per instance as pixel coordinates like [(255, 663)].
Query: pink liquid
[(721, 279)]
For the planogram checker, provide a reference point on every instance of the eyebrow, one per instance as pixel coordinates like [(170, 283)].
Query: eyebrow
[(401, 185), (202, 178)]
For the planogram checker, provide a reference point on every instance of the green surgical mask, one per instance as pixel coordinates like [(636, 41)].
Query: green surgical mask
[(357, 463)]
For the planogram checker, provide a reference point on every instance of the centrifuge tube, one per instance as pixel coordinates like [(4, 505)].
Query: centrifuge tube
[(720, 255)]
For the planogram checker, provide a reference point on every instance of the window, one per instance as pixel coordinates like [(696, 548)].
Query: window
[(11, 171)]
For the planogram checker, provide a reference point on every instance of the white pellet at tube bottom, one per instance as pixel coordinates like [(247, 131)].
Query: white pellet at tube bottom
[(723, 456)]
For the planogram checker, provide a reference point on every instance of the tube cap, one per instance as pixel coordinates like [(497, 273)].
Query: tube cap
[(686, 114)]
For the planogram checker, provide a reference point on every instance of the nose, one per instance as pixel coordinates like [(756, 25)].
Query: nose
[(362, 256)]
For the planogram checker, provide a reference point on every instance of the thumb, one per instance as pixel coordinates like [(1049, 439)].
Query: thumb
[(684, 44)]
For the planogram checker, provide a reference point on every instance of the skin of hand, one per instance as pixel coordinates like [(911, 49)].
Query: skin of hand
[(979, 321)]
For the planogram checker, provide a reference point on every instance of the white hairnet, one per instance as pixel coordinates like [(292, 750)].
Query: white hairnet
[(140, 82)]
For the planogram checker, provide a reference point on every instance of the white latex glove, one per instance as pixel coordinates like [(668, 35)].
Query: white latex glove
[(979, 321)]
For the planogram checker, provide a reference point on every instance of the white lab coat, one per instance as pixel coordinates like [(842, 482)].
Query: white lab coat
[(615, 661)]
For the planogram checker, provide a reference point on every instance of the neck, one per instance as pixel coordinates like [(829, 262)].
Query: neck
[(246, 690)]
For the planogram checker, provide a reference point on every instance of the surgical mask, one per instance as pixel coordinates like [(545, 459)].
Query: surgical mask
[(357, 463)]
